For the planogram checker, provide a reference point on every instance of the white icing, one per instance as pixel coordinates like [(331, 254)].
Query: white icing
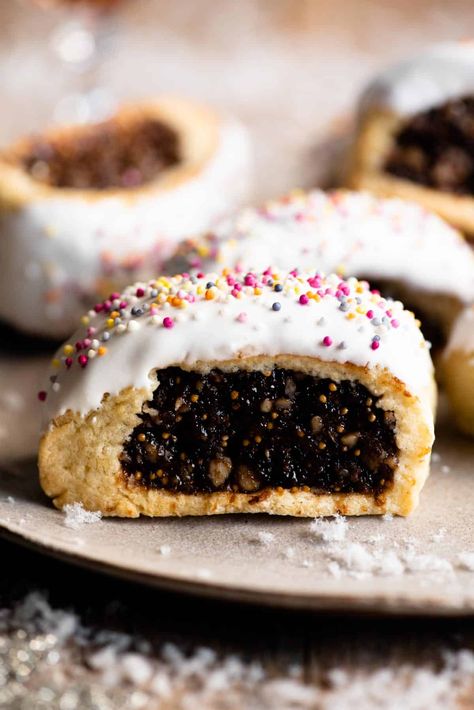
[(357, 233), (56, 253), (444, 71), (462, 335), (227, 327)]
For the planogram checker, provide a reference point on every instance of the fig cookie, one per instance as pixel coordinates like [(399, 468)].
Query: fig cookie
[(415, 133), (86, 209), (280, 392)]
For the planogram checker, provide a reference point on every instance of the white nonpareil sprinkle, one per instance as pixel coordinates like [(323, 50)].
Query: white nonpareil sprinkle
[(75, 516), (164, 550)]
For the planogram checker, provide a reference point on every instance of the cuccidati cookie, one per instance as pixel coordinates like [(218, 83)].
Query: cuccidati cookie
[(279, 392), (458, 370), (398, 246), (86, 209), (415, 133)]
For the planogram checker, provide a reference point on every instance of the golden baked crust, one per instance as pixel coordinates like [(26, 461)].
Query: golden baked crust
[(196, 126), (79, 455), (373, 143), (458, 381)]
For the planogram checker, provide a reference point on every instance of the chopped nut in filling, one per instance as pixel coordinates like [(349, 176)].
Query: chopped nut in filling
[(246, 431)]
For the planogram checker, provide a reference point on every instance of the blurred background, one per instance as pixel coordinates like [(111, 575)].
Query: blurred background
[(290, 69)]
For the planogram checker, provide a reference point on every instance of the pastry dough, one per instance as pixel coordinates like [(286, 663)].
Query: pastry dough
[(404, 93), (458, 371), (285, 393), (62, 246), (398, 246)]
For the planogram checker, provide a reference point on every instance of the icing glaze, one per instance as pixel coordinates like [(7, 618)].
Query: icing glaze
[(443, 71), (185, 319), (348, 232), (59, 254), (462, 335)]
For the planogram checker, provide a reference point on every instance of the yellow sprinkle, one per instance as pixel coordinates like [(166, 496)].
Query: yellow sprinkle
[(258, 439), (110, 322), (85, 320), (68, 349), (257, 291), (165, 435), (351, 316), (55, 362), (200, 290)]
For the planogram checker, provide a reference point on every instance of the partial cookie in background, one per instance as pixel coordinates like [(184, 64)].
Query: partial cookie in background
[(458, 371), (416, 133), (398, 246), (84, 209), (284, 393)]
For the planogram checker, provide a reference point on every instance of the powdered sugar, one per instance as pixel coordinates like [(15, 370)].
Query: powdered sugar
[(121, 671), (75, 516)]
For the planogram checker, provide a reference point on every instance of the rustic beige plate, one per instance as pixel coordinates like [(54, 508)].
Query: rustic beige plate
[(423, 564)]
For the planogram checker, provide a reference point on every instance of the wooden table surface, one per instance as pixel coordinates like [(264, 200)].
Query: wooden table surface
[(291, 70)]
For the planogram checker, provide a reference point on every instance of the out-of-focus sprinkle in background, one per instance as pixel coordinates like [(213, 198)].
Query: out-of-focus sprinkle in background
[(291, 69)]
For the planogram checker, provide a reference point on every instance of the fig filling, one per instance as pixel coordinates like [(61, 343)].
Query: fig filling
[(103, 156), (436, 148), (248, 431)]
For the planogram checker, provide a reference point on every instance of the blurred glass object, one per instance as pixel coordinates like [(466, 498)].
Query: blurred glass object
[(82, 40)]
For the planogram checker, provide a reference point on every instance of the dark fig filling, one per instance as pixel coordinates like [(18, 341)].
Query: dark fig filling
[(436, 148), (103, 156), (249, 431)]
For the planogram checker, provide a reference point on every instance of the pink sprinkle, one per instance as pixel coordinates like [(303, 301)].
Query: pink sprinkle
[(91, 330), (327, 341), (200, 275), (235, 292), (375, 345), (238, 287), (168, 322), (230, 281), (304, 299), (79, 345), (139, 292), (82, 360), (86, 343), (370, 314), (268, 271), (123, 304), (394, 323), (242, 317), (42, 396), (294, 272), (250, 280), (114, 295), (98, 307), (68, 362), (314, 282)]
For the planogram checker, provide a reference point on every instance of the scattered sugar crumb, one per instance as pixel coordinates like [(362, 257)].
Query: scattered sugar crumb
[(203, 573), (329, 530), (290, 553), (75, 516), (387, 517), (164, 550), (465, 560), (306, 563), (435, 457), (439, 535), (445, 469), (10, 500), (264, 537)]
